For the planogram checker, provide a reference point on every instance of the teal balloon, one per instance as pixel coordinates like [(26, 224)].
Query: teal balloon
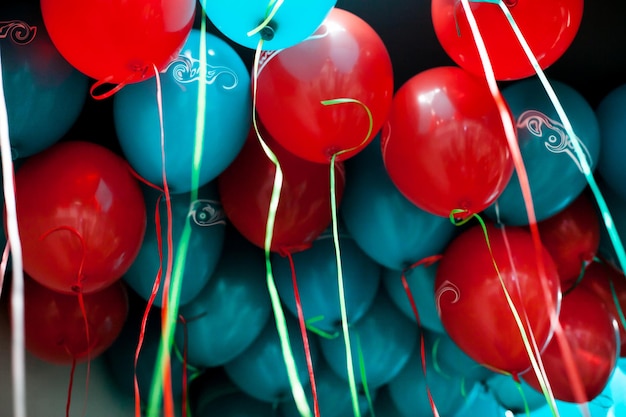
[(610, 113), (384, 338), (230, 311), (207, 221), (333, 395), (554, 170), (421, 282), (452, 361), (386, 226), (260, 370), (214, 395), (44, 94), (481, 403), (514, 396), (293, 22), (227, 115), (408, 390), (316, 275), (384, 405)]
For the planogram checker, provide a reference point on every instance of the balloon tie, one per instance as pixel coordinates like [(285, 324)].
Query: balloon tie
[(279, 315), (270, 12), (114, 89), (303, 332), (363, 374), (579, 279), (321, 333)]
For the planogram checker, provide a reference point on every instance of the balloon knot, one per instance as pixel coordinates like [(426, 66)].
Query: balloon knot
[(268, 32)]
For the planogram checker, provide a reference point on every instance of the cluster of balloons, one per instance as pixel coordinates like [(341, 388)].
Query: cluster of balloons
[(438, 315)]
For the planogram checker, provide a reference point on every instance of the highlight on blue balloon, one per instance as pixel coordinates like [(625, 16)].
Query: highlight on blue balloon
[(293, 22), (206, 240), (555, 171), (227, 115), (388, 227)]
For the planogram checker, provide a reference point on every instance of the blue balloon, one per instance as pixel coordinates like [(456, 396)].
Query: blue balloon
[(333, 395), (215, 396), (293, 22), (610, 113), (554, 171), (227, 115), (230, 311), (44, 94), (482, 404), (384, 405), (316, 274), (388, 227), (514, 396), (260, 370), (206, 240), (384, 337), (452, 361), (421, 282), (616, 205), (408, 390)]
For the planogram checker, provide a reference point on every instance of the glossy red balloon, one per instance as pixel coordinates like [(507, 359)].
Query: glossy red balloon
[(572, 237), (591, 332), (345, 58), (444, 145), (304, 209), (600, 277), (118, 42), (472, 304), (549, 27), (81, 216), (55, 324)]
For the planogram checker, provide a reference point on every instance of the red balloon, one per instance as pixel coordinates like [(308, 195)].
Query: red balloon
[(444, 145), (345, 58), (304, 210), (118, 41), (572, 237), (549, 27), (55, 328), (472, 304), (599, 277), (591, 332), (81, 217)]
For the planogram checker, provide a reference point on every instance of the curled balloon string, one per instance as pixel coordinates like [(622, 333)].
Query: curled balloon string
[(183, 358), (321, 333), (425, 262), (162, 382), (530, 347), (335, 228), (270, 12), (279, 314), (303, 333), (18, 362), (579, 278), (526, 193), (70, 385), (434, 355), (363, 373), (110, 92)]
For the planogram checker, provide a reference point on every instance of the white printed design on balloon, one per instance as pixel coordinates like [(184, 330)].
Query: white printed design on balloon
[(557, 141), (19, 32), (207, 213), (445, 287), (186, 69)]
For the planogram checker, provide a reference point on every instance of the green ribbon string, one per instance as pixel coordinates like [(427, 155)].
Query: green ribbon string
[(321, 333), (270, 12), (279, 315), (518, 385), (363, 373), (335, 227), (579, 279), (167, 339)]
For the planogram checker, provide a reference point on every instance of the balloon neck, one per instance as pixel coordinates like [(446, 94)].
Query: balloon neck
[(510, 3), (268, 32)]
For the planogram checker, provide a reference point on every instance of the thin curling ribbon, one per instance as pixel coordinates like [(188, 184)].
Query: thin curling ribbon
[(279, 315), (533, 355), (577, 387), (426, 262), (363, 373), (303, 332), (335, 224), (18, 366)]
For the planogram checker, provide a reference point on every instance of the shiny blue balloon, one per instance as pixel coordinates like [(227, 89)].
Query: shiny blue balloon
[(385, 225), (554, 170), (514, 396), (293, 22), (482, 404), (610, 113), (207, 220), (384, 405), (384, 337), (44, 93), (333, 394), (230, 311), (408, 390), (260, 370), (421, 282), (316, 274), (227, 115), (452, 361)]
